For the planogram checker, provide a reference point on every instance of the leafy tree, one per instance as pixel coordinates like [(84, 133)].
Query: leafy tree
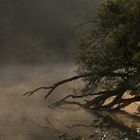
[(108, 57)]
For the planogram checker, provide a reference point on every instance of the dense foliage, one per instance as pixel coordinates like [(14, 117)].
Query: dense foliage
[(110, 49)]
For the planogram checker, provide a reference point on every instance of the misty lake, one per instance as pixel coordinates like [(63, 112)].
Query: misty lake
[(29, 118)]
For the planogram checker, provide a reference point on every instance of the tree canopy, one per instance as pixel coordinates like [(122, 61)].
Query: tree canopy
[(110, 50), (108, 57)]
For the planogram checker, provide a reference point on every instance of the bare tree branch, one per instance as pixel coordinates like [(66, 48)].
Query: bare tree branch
[(33, 91), (79, 96), (125, 102), (53, 87), (68, 103)]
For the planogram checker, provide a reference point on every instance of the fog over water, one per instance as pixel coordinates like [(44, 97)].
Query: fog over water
[(29, 118)]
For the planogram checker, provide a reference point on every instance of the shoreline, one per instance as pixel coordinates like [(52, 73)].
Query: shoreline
[(115, 122)]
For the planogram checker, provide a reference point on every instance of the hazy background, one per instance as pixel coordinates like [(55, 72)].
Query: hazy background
[(29, 118), (38, 31), (36, 49)]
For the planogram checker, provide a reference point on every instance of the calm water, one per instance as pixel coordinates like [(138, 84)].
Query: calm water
[(24, 118), (28, 118)]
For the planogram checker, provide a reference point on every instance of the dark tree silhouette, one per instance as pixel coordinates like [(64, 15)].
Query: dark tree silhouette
[(108, 57)]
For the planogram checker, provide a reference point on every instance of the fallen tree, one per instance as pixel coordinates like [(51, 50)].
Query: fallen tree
[(108, 58)]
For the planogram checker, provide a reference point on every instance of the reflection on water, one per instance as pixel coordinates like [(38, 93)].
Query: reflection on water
[(28, 118)]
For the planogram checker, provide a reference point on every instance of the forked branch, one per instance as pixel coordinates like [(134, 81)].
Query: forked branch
[(98, 99), (53, 87), (98, 94)]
